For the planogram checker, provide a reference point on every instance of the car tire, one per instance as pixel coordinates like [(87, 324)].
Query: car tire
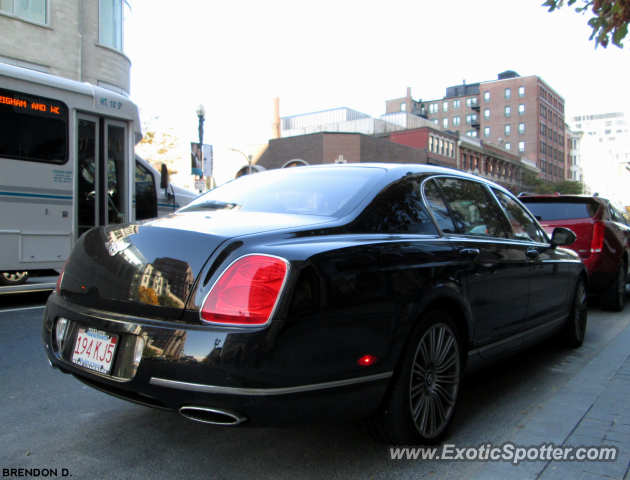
[(422, 398), (13, 278), (613, 298), (575, 328)]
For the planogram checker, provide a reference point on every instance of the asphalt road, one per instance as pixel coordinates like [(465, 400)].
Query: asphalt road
[(50, 420)]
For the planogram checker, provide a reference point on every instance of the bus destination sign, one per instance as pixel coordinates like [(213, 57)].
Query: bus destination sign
[(31, 103)]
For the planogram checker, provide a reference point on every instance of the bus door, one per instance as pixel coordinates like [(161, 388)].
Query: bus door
[(102, 161)]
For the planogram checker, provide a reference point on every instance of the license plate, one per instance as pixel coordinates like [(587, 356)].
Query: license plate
[(94, 349)]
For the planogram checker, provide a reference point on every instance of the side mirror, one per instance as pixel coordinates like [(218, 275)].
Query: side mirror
[(164, 177), (562, 237)]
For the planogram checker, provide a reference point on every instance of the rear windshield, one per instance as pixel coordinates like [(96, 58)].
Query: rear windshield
[(333, 191), (545, 210)]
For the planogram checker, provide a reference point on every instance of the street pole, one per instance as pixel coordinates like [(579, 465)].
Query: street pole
[(201, 112), (248, 158)]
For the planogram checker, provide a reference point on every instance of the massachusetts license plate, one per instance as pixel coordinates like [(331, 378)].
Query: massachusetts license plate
[(94, 349)]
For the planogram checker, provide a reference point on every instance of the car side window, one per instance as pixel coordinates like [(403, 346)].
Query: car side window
[(398, 208), (618, 214), (523, 225), (438, 208), (475, 211)]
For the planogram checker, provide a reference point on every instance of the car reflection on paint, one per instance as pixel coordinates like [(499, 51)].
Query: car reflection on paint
[(316, 294)]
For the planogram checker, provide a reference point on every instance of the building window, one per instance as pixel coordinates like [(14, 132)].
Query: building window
[(521, 109), (508, 130), (457, 120), (33, 10), (521, 128), (508, 146), (435, 120), (508, 93), (521, 147), (445, 106), (430, 143), (456, 103), (464, 162), (403, 107), (471, 133), (445, 123), (521, 92), (433, 108), (486, 132), (471, 118), (441, 146), (451, 149), (114, 21), (486, 96), (471, 101), (486, 113), (508, 111)]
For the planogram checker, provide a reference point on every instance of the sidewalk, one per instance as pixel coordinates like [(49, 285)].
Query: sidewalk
[(592, 409)]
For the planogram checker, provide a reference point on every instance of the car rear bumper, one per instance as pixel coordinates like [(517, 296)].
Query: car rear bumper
[(198, 370)]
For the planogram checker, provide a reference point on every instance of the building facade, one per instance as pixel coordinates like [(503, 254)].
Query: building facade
[(521, 114), (604, 153), (83, 40)]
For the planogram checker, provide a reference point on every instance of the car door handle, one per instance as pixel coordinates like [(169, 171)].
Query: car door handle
[(469, 253), (532, 253)]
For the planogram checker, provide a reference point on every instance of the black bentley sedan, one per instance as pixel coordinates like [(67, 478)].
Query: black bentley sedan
[(316, 294)]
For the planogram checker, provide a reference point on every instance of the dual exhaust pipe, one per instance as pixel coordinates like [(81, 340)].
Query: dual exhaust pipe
[(213, 416)]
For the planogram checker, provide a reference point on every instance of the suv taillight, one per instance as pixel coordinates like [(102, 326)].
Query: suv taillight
[(247, 292), (598, 237)]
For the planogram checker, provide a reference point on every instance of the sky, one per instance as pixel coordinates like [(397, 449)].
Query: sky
[(234, 57)]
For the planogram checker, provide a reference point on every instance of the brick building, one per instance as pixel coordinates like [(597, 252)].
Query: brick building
[(81, 40), (425, 145), (521, 114)]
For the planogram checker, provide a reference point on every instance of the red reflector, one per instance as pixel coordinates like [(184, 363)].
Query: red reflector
[(247, 292), (597, 242), (367, 360)]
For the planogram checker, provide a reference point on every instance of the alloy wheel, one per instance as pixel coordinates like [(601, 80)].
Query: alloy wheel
[(434, 380)]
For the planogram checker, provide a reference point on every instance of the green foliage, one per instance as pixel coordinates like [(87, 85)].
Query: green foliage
[(533, 184), (610, 21)]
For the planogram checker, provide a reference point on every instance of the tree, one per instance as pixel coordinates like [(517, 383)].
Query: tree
[(533, 184), (609, 23), (159, 146)]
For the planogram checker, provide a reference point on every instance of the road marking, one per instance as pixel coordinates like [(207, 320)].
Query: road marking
[(18, 309)]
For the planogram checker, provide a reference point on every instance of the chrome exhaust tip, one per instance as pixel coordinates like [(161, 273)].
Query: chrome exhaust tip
[(213, 416)]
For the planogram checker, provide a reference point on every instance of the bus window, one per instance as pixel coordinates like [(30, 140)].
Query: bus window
[(33, 128), (87, 176), (146, 196), (116, 154)]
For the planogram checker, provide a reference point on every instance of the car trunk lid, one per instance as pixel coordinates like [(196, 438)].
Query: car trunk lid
[(149, 269), (578, 214)]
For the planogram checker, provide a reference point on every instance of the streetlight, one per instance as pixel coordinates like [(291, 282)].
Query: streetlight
[(248, 158), (201, 112)]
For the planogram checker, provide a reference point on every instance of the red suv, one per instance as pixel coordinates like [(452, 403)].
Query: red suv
[(603, 239)]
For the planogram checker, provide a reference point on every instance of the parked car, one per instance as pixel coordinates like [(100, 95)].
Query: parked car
[(316, 294), (602, 228)]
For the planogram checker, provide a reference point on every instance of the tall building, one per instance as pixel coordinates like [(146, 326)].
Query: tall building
[(604, 153), (521, 114), (83, 40)]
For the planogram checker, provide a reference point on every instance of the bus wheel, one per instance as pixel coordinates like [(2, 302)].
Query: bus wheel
[(13, 278)]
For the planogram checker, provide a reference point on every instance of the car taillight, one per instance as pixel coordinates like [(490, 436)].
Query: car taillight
[(60, 278), (247, 292), (598, 237)]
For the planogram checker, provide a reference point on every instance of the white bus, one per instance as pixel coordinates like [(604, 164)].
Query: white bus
[(67, 164)]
